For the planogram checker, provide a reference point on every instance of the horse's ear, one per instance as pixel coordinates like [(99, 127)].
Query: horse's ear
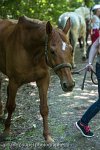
[(48, 28), (67, 26)]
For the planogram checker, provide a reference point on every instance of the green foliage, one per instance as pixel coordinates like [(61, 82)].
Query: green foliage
[(40, 9), (89, 3)]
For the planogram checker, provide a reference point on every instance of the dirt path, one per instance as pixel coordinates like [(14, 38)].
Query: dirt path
[(64, 110)]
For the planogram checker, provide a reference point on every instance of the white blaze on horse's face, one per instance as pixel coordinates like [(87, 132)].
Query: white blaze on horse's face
[(64, 46)]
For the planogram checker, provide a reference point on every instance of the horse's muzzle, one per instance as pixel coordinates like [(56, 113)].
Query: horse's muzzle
[(67, 87)]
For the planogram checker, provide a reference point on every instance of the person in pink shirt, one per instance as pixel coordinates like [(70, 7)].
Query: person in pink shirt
[(95, 23)]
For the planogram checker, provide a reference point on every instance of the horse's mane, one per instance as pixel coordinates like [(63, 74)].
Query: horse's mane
[(36, 23)]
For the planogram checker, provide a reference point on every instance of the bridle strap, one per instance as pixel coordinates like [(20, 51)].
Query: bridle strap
[(60, 66), (57, 67)]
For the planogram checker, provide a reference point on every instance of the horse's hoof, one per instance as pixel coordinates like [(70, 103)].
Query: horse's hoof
[(81, 46), (7, 132), (83, 58), (49, 139), (4, 137)]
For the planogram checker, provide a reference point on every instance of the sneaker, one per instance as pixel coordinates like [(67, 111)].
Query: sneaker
[(85, 130)]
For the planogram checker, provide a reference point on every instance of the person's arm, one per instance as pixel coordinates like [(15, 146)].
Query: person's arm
[(92, 54), (93, 51)]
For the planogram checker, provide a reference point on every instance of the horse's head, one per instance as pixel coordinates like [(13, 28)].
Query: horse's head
[(58, 52)]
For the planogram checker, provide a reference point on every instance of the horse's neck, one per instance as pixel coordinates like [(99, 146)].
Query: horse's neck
[(32, 40), (36, 46)]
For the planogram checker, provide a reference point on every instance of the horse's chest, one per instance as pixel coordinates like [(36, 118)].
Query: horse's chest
[(30, 74)]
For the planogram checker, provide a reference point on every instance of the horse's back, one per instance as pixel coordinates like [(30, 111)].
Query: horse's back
[(64, 17), (77, 21)]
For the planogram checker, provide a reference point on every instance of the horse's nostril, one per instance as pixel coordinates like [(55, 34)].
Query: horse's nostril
[(65, 85)]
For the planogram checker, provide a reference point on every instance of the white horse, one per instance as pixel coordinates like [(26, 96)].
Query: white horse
[(83, 11), (78, 27), (77, 30), (87, 14)]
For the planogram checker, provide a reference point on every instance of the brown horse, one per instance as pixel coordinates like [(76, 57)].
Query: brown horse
[(27, 49)]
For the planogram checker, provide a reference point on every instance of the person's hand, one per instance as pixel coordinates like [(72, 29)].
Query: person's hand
[(89, 67)]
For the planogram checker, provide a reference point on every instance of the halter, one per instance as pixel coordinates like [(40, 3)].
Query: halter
[(56, 67)]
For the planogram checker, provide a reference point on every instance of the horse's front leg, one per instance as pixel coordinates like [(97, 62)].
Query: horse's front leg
[(10, 104), (43, 88), (1, 107)]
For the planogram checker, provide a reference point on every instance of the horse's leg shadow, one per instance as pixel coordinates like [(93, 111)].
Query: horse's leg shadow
[(1, 106), (2, 137), (2, 110), (84, 58)]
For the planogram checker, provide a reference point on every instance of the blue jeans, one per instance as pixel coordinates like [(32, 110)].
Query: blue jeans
[(95, 107)]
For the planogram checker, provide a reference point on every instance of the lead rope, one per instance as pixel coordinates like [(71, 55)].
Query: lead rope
[(92, 73), (84, 78), (82, 87)]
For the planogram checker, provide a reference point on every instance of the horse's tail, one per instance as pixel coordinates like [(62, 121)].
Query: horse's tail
[(71, 38)]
